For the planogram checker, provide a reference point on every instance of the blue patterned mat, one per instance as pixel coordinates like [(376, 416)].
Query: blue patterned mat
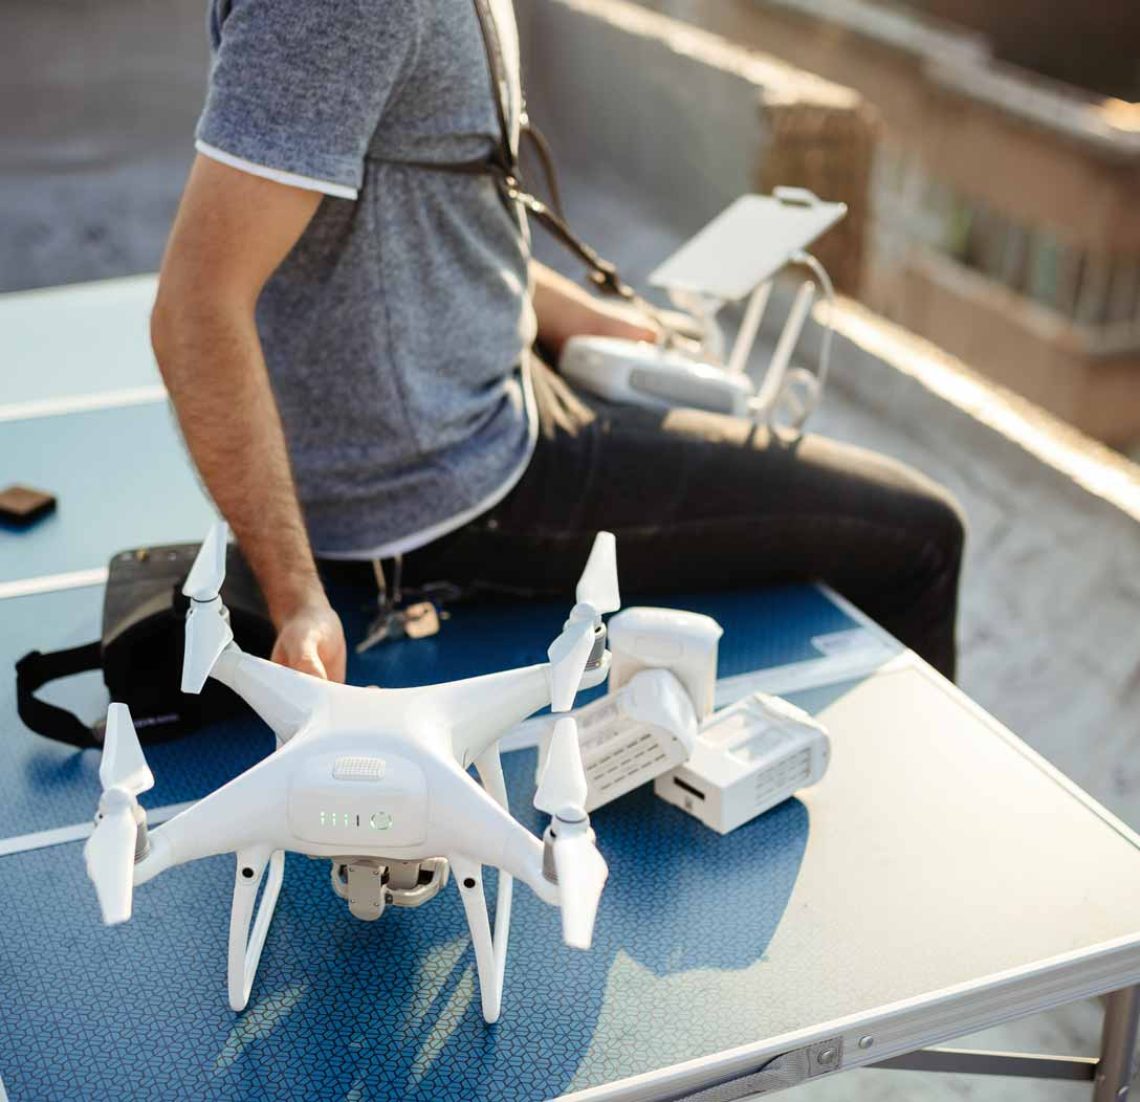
[(389, 1011), (348, 1010)]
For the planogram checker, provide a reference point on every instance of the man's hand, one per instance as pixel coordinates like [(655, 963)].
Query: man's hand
[(310, 639), (565, 310)]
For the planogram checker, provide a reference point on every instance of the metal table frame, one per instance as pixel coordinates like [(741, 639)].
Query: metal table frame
[(1110, 1073)]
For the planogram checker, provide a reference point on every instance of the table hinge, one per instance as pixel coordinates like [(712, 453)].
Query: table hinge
[(786, 1070)]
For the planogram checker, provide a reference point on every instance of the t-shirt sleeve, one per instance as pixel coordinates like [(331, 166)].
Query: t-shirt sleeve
[(298, 87)]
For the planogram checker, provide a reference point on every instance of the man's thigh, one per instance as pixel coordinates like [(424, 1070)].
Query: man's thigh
[(696, 500)]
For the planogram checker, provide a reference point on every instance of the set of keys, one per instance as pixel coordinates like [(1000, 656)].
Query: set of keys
[(394, 620)]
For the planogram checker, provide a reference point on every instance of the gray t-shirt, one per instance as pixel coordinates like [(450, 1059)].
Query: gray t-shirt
[(397, 329)]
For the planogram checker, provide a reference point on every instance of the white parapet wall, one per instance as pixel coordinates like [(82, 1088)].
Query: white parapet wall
[(683, 116), (658, 126)]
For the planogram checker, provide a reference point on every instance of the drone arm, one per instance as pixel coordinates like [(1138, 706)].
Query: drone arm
[(230, 819), (488, 707), (284, 698), (478, 710), (487, 835)]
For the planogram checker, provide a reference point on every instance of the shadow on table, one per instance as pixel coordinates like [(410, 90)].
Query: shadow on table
[(392, 1010)]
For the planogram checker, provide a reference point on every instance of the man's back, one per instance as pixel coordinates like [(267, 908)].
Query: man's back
[(395, 330)]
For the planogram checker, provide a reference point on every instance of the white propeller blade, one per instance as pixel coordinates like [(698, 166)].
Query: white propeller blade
[(123, 765), (582, 873), (563, 782), (110, 851), (110, 855), (598, 585), (568, 656), (208, 633), (204, 581)]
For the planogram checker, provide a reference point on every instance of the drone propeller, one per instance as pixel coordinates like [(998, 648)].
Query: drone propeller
[(204, 582), (110, 851), (568, 656), (208, 630), (562, 789), (598, 585), (582, 873), (597, 593), (563, 782)]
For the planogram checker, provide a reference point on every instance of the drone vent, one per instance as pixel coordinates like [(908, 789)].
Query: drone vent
[(358, 769)]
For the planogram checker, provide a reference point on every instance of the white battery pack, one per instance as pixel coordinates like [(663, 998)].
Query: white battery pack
[(630, 736), (748, 758), (667, 638)]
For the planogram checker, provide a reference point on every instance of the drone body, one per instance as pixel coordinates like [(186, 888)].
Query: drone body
[(375, 780)]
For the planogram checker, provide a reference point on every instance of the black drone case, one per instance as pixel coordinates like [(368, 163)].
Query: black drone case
[(140, 652)]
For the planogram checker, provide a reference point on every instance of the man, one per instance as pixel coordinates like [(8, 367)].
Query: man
[(344, 323)]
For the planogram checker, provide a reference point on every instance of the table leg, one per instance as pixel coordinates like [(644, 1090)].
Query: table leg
[(1117, 1045)]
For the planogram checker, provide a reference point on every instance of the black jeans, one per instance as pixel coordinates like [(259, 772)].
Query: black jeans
[(699, 500)]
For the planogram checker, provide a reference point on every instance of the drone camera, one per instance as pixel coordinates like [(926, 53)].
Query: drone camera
[(370, 884)]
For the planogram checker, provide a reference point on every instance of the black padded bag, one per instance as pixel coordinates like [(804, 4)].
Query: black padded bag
[(140, 652)]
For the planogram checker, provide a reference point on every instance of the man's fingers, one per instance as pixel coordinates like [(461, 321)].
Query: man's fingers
[(313, 643), (310, 662), (335, 664), (304, 658)]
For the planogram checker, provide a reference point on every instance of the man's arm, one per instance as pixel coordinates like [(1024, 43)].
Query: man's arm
[(565, 310), (231, 232)]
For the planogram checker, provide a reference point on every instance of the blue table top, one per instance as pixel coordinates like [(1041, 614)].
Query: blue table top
[(390, 1010), (826, 906), (121, 477), (836, 904)]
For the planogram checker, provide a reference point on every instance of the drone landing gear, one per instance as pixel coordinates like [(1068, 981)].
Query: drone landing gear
[(245, 948), (369, 884), (490, 952)]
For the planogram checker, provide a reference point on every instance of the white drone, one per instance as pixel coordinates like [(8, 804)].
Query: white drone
[(375, 779)]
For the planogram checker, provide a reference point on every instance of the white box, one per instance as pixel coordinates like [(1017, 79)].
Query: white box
[(748, 758)]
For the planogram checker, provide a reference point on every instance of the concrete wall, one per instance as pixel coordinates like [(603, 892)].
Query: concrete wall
[(651, 104), (1051, 594), (1040, 36)]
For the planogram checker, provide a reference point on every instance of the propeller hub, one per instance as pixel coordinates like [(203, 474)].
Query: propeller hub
[(572, 816), (115, 799)]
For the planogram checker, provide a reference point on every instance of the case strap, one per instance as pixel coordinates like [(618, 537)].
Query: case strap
[(35, 670), (503, 166)]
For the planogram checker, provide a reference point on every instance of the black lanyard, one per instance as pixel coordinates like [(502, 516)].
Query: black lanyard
[(503, 166)]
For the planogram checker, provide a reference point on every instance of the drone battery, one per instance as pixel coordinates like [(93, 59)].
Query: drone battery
[(748, 758), (634, 734), (685, 643)]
